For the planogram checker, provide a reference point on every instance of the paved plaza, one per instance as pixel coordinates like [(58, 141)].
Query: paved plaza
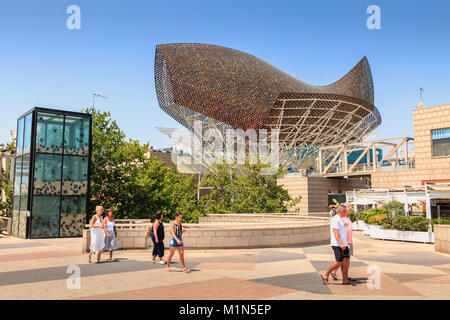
[(38, 269)]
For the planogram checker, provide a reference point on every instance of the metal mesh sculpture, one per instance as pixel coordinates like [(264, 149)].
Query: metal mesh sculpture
[(227, 88)]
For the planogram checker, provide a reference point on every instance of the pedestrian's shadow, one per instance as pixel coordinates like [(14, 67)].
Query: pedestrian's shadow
[(116, 260), (355, 282), (180, 270), (361, 280)]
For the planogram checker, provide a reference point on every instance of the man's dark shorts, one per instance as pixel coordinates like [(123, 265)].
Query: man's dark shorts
[(340, 254)]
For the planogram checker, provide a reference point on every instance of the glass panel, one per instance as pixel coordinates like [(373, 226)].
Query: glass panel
[(45, 222), (25, 175), (76, 136), (47, 174), (15, 222), (441, 142), (19, 141), (27, 134), (17, 175), (73, 216), (75, 172), (23, 217), (49, 133)]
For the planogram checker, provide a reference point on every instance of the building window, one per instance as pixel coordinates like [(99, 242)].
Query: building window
[(441, 142)]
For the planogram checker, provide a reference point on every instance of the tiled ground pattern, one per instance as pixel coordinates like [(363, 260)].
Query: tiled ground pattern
[(31, 269)]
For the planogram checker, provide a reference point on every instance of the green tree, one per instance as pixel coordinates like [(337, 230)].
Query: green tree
[(394, 208), (247, 191), (124, 178), (112, 156), (6, 183)]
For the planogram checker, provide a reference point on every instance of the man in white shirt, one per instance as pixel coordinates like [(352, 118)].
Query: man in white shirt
[(338, 235), (332, 212)]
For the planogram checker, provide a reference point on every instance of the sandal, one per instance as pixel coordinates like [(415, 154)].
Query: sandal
[(168, 269), (324, 281), (334, 276), (347, 283), (187, 270)]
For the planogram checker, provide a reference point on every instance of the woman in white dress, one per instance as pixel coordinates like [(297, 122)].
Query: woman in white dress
[(97, 234), (111, 234)]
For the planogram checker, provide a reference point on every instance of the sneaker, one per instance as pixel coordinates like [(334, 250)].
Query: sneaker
[(153, 261), (162, 262)]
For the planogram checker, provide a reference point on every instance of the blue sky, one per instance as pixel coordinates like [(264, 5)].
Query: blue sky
[(42, 63)]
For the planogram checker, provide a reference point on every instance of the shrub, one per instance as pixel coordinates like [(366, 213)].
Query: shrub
[(440, 221), (388, 226), (378, 219), (377, 211), (366, 215), (362, 215), (353, 216), (411, 223), (394, 207)]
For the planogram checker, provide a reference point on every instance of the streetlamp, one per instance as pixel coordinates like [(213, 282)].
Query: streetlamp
[(421, 100), (94, 95)]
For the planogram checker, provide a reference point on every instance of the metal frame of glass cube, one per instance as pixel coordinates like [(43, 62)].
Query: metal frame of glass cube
[(51, 185)]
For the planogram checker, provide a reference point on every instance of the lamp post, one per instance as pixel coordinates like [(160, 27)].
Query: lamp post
[(94, 95), (421, 100)]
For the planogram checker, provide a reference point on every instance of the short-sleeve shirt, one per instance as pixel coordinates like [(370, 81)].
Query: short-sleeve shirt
[(337, 223), (349, 226)]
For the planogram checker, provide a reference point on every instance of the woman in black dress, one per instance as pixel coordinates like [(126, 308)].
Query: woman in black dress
[(157, 238)]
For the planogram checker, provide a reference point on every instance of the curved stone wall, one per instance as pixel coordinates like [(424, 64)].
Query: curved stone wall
[(231, 231)]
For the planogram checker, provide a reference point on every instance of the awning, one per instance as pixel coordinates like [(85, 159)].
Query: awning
[(363, 201)]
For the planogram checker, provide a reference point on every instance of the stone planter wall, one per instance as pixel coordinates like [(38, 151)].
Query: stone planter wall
[(442, 238), (228, 233), (6, 225), (412, 236)]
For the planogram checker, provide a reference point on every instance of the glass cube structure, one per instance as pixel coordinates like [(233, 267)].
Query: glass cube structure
[(51, 173)]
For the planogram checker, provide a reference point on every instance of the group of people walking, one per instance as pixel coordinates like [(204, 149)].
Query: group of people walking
[(156, 232), (103, 234), (104, 237)]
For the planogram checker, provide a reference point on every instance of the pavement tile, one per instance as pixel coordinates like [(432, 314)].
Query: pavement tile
[(417, 259), (87, 270), (323, 265), (225, 265), (431, 290), (388, 286), (215, 289), (433, 280), (319, 249), (37, 255), (37, 269), (4, 246), (443, 267), (243, 258), (388, 267), (309, 282), (407, 277), (274, 256), (279, 268)]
